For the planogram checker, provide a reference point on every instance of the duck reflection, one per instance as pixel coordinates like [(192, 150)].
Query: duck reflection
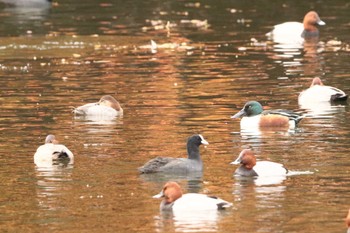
[(189, 222), (51, 184), (98, 120), (25, 11)]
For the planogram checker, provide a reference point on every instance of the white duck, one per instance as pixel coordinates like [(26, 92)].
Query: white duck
[(107, 106), (51, 151)]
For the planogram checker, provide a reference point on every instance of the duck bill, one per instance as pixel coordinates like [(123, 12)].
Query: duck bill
[(159, 195), (321, 23), (236, 162), (239, 114), (204, 142)]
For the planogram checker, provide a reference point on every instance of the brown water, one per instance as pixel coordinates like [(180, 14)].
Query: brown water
[(54, 58)]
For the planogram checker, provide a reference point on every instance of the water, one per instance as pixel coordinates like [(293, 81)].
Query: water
[(212, 60)]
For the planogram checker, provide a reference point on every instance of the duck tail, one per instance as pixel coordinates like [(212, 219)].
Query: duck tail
[(298, 119), (339, 97), (224, 205)]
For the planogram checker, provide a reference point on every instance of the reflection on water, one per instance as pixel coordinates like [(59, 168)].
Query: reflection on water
[(193, 180), (208, 60), (97, 120), (322, 109), (191, 221), (51, 182)]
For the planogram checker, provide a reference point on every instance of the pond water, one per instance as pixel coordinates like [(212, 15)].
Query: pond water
[(212, 57)]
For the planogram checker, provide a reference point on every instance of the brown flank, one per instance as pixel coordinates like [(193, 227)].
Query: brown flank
[(274, 121)]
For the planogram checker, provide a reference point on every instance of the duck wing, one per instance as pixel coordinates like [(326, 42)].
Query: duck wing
[(60, 151), (339, 95), (155, 164), (287, 113), (84, 109)]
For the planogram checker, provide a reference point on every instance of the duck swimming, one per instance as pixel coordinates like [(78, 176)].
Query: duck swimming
[(318, 92), (253, 116), (52, 151), (107, 106), (250, 167), (192, 163), (295, 32), (175, 201)]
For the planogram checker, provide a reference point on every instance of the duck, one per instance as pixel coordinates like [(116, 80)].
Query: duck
[(295, 32), (318, 92), (106, 106), (192, 163), (52, 151), (174, 200), (249, 167), (253, 116)]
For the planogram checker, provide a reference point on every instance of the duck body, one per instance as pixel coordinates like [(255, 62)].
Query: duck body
[(296, 32), (52, 151), (263, 168), (172, 165), (318, 92), (249, 167), (253, 116), (94, 109), (107, 106), (175, 201), (178, 165)]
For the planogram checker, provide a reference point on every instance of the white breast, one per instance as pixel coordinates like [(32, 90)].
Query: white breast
[(248, 123)]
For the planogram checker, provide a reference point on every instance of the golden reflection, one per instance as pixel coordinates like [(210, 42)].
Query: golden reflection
[(51, 184)]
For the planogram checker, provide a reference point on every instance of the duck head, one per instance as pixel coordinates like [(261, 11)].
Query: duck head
[(316, 81), (251, 108), (193, 144), (110, 101), (170, 192), (197, 140), (51, 139), (246, 158), (310, 21)]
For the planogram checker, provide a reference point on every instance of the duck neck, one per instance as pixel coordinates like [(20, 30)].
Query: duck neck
[(193, 151), (310, 33)]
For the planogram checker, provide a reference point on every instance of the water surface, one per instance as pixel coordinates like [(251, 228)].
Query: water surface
[(211, 58)]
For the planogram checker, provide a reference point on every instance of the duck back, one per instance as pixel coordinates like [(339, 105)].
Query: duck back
[(171, 165), (267, 168), (94, 109), (199, 202)]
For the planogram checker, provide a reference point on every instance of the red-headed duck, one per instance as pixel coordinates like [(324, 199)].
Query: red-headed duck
[(250, 167), (192, 163), (107, 106), (52, 151), (253, 116), (295, 32), (318, 92), (176, 201)]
